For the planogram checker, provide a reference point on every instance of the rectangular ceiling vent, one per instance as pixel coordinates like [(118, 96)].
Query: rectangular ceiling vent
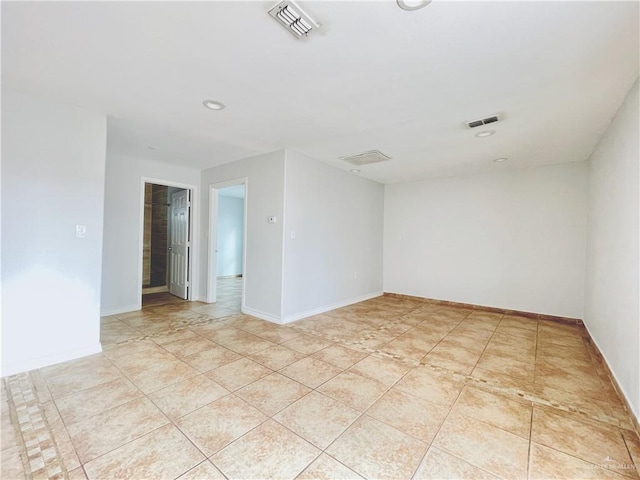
[(483, 121), (366, 158), (293, 18)]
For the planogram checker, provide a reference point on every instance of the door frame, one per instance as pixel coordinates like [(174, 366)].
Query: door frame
[(212, 263), (192, 265)]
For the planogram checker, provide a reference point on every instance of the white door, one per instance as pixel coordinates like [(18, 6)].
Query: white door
[(179, 244)]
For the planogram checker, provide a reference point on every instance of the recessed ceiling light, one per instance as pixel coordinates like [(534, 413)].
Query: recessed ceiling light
[(412, 4), (355, 170), (213, 105), (500, 160), (486, 133)]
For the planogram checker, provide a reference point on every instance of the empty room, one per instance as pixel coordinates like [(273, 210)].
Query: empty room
[(393, 239)]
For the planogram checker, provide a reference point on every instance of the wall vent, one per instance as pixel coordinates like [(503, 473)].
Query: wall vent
[(293, 18), (366, 158), (483, 121)]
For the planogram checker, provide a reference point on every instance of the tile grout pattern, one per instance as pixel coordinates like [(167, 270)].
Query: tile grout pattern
[(13, 456), (625, 423), (43, 459), (386, 388)]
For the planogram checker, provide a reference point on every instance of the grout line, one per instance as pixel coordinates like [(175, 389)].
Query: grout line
[(626, 444), (435, 436), (64, 425), (488, 342), (530, 396), (530, 445), (26, 414), (446, 452), (82, 464), (13, 416), (535, 371), (388, 318), (341, 463)]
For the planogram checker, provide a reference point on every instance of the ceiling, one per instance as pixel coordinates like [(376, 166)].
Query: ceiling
[(372, 77)]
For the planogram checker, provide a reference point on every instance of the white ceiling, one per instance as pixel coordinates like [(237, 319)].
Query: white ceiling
[(373, 77)]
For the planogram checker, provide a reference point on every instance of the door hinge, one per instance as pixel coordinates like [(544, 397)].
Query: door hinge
[(188, 243), (186, 284), (188, 204)]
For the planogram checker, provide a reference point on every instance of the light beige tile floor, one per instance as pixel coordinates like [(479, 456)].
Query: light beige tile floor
[(387, 388)]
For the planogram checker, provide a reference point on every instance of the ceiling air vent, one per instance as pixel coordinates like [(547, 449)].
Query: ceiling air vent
[(366, 158), (293, 18), (483, 121)]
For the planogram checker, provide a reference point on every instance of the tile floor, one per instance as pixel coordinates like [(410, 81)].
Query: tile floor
[(387, 388), (160, 298)]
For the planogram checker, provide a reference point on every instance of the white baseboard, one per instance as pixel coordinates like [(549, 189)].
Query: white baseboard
[(326, 308), (201, 298), (32, 364), (116, 311), (299, 316), (264, 316)]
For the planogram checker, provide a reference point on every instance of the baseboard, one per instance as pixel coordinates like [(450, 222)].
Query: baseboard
[(239, 275), (118, 310), (299, 316), (633, 415), (635, 419), (327, 308), (505, 311), (202, 299), (33, 364), (262, 315)]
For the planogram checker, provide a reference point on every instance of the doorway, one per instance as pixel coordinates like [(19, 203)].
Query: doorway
[(227, 269), (166, 244)]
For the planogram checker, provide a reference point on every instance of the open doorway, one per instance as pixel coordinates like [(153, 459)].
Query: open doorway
[(166, 244), (227, 269)]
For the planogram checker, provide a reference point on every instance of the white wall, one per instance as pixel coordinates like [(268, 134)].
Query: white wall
[(336, 255), (612, 287), (264, 197), (121, 278), (53, 166), (514, 239), (230, 235)]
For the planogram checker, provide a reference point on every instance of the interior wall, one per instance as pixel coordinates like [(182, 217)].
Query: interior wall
[(155, 236), (53, 168), (123, 184), (230, 235), (514, 239), (159, 235), (265, 198), (332, 239), (612, 279), (146, 242)]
